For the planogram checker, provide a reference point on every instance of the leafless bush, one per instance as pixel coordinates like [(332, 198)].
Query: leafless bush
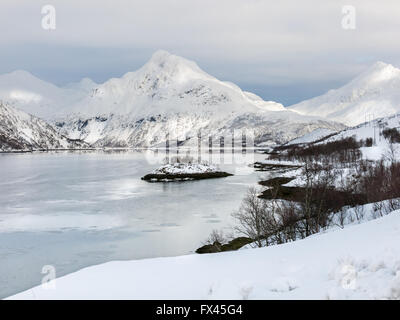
[(215, 241), (342, 216), (359, 212), (392, 134), (318, 181), (216, 236), (391, 205), (318, 205), (254, 217), (337, 152)]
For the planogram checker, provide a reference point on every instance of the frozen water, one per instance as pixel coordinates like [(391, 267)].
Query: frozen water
[(72, 210)]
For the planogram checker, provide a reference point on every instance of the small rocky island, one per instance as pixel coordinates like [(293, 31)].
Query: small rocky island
[(184, 172)]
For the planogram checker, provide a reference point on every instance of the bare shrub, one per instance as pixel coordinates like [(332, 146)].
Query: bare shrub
[(392, 134), (369, 142), (377, 210), (342, 216), (315, 204), (341, 151), (216, 236), (252, 216), (391, 154), (267, 222), (359, 212)]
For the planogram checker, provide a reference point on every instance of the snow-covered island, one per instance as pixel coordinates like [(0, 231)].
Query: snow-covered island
[(184, 172)]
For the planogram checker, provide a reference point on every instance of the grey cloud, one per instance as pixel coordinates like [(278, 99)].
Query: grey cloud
[(266, 45)]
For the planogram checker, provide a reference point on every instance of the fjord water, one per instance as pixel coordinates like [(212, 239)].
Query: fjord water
[(75, 209)]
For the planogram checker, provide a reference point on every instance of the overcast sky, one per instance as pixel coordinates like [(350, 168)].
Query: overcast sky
[(281, 50)]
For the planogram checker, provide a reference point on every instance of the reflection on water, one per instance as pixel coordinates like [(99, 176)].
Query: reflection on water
[(213, 156), (75, 209)]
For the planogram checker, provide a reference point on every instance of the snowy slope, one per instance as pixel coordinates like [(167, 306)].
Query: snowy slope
[(358, 262), (372, 129), (40, 98), (170, 94), (169, 84), (184, 168), (373, 94), (312, 136), (368, 130), (86, 86), (22, 131)]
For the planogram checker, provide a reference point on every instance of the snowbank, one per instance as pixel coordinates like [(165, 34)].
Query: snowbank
[(359, 262)]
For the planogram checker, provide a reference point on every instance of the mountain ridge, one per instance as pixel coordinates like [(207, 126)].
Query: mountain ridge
[(20, 131), (374, 93), (168, 95), (171, 96), (165, 77), (43, 99)]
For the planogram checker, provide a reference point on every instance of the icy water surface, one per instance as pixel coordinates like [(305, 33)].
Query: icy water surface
[(76, 209)]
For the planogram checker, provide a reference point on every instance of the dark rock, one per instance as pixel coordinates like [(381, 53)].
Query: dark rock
[(210, 248), (152, 177), (236, 244), (232, 245)]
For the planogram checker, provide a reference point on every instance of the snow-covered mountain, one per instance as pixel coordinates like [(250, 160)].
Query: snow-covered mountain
[(169, 84), (40, 98), (85, 86), (373, 130), (22, 131), (172, 96), (373, 94)]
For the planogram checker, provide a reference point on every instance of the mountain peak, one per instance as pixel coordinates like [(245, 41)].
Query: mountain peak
[(374, 92), (163, 63), (86, 80), (20, 74), (380, 65), (160, 56), (85, 84), (378, 72)]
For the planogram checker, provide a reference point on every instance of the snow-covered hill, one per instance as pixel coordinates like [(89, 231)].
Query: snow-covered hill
[(311, 137), (373, 94), (360, 261), (22, 131), (23, 90), (372, 130), (172, 95)]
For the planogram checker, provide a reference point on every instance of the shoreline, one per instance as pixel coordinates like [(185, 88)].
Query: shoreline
[(254, 149), (241, 241), (153, 178), (296, 272)]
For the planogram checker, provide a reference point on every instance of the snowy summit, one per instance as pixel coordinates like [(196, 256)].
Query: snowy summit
[(373, 94), (167, 95)]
